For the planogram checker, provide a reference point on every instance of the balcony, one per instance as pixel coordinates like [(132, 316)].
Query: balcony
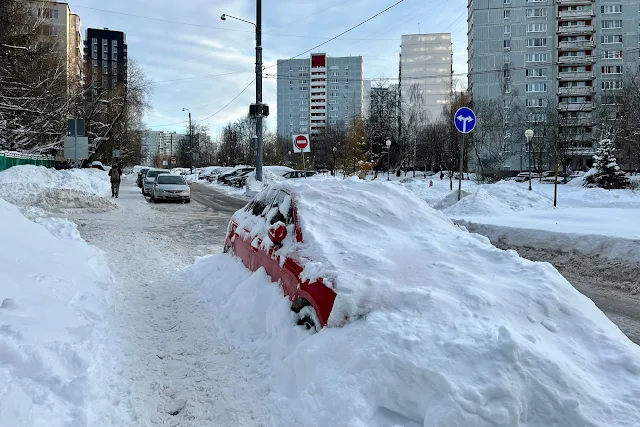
[(318, 70), (576, 60), (565, 106), (318, 89), (574, 2), (577, 45), (574, 121), (322, 110), (571, 14), (318, 97), (576, 75), (576, 29), (576, 91)]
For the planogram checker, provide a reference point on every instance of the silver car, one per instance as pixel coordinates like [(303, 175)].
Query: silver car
[(170, 187), (150, 178)]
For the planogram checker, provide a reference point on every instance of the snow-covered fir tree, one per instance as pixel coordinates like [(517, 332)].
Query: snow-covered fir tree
[(608, 173)]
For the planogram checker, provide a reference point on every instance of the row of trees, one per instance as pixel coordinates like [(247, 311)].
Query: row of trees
[(40, 90)]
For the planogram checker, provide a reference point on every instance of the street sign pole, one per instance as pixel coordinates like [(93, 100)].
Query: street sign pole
[(465, 122), (304, 167), (75, 144)]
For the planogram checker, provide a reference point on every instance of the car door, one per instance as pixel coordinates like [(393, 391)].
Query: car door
[(265, 253), (242, 243)]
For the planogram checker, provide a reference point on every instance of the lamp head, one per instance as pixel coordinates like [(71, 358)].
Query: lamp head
[(528, 133), (223, 17), (388, 142)]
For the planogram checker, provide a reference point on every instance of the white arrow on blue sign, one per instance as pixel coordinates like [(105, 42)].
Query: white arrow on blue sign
[(465, 120)]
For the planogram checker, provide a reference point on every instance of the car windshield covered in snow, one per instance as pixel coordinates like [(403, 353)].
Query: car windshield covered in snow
[(153, 174), (171, 179)]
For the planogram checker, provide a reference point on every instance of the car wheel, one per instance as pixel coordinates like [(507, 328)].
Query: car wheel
[(188, 201), (308, 318)]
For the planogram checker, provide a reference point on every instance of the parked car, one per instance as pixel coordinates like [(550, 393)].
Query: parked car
[(149, 179), (240, 180), (259, 247), (298, 174), (524, 176), (141, 176), (170, 187), (224, 178), (213, 176)]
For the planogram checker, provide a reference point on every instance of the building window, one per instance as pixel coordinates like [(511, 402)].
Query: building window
[(612, 54), (95, 65), (536, 87), (536, 28), (506, 14), (536, 42), (535, 1), (507, 44), (507, 58), (114, 68), (105, 68), (507, 29), (536, 13), (612, 23), (615, 84), (611, 8), (105, 82), (611, 39), (612, 69), (536, 102), (114, 55), (506, 73), (114, 82), (506, 1), (536, 57)]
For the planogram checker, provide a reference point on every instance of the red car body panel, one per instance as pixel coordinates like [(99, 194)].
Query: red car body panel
[(254, 256)]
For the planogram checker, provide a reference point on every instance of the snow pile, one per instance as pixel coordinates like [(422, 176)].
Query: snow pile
[(467, 335), (56, 191), (270, 174), (496, 199), (53, 299)]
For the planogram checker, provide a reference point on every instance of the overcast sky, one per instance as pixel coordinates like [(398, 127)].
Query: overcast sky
[(187, 59)]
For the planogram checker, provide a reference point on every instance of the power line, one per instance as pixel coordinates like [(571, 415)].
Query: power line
[(341, 34), (212, 115), (203, 76)]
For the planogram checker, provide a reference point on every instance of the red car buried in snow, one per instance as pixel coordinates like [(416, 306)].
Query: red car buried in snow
[(265, 234)]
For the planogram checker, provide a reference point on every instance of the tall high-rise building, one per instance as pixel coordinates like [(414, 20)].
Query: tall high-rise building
[(567, 55), (105, 60), (318, 91), (62, 29), (426, 72), (161, 142)]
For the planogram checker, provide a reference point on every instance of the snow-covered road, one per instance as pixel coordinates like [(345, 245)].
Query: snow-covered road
[(173, 366)]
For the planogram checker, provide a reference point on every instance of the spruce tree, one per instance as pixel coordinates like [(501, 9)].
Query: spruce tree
[(608, 175)]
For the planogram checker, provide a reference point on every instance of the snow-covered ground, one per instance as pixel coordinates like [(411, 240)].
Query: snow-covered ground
[(139, 335)]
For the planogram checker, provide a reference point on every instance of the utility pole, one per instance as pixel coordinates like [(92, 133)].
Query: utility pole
[(190, 144), (259, 89), (170, 150)]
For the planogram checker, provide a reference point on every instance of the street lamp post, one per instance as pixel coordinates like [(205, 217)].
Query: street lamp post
[(190, 141), (333, 172), (259, 111), (529, 134), (388, 143)]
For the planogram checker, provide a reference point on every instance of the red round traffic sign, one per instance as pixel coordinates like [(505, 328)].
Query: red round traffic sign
[(301, 142)]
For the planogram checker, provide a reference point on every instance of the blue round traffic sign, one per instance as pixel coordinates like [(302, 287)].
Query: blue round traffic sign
[(465, 120)]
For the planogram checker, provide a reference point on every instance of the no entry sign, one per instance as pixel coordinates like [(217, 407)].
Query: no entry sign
[(301, 144)]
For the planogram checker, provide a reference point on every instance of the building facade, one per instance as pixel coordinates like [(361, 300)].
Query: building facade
[(561, 57), (318, 91), (166, 144), (62, 29), (105, 64), (426, 72)]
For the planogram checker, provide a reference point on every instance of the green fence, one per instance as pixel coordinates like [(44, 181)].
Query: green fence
[(12, 158)]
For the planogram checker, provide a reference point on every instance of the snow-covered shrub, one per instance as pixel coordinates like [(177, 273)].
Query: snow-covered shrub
[(608, 175)]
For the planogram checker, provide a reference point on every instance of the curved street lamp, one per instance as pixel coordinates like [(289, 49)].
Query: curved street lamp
[(388, 143), (529, 134)]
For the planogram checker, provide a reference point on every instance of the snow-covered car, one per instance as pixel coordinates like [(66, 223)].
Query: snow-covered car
[(170, 187), (149, 180), (213, 176), (298, 174), (237, 171), (141, 175)]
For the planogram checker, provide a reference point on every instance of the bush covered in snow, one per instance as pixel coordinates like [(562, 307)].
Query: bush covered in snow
[(608, 174)]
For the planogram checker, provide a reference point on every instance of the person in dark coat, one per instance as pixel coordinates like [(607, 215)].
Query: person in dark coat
[(115, 173)]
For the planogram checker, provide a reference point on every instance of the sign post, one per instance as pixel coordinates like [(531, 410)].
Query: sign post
[(301, 145), (465, 122)]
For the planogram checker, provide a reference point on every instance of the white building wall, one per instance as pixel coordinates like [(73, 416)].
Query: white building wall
[(426, 61)]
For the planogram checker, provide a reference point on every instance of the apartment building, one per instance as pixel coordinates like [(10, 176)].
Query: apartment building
[(567, 55), (105, 64), (426, 72), (318, 91), (160, 142), (62, 30)]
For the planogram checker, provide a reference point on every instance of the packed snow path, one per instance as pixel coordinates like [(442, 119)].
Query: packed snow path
[(173, 367)]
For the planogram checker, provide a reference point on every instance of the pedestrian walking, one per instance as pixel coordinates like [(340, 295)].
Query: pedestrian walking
[(115, 173)]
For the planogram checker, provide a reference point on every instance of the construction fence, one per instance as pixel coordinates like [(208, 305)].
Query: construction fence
[(13, 158)]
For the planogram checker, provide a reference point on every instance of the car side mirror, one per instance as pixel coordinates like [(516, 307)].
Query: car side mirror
[(277, 232)]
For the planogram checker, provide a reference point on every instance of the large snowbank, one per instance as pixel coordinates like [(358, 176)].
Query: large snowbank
[(54, 295), (270, 174), (478, 337), (56, 190)]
